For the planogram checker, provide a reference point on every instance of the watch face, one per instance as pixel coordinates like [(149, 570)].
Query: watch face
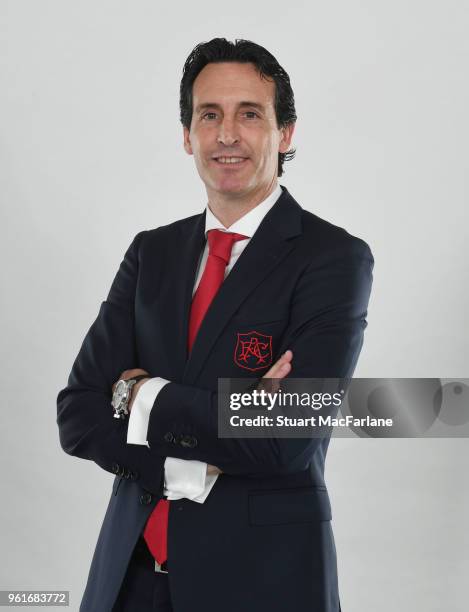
[(120, 394)]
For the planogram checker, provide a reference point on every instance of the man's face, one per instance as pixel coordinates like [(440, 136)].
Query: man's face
[(233, 117)]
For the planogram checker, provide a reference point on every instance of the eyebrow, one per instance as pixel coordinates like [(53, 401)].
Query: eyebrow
[(200, 107)]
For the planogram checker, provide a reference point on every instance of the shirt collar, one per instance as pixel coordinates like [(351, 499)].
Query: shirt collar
[(249, 222)]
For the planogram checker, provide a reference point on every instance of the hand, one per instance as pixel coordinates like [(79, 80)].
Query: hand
[(281, 368), (133, 392), (212, 469)]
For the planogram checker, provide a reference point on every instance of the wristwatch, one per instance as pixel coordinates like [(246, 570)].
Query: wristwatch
[(122, 393)]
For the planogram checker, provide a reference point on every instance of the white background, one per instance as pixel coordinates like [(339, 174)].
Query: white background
[(91, 153)]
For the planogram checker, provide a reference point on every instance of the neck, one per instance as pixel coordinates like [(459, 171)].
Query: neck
[(229, 208)]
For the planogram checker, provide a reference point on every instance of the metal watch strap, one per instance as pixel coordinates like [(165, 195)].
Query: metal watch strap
[(122, 413)]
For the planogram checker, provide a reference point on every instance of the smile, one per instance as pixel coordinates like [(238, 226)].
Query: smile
[(230, 160)]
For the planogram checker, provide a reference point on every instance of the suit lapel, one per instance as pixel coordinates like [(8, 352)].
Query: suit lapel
[(184, 251), (269, 245)]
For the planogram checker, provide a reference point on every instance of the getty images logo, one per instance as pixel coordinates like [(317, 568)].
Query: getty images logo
[(263, 399)]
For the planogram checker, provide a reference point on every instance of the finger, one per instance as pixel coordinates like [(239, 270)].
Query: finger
[(285, 358), (131, 373), (272, 373), (284, 369), (281, 370)]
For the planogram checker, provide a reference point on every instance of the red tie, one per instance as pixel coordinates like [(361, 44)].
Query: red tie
[(220, 245)]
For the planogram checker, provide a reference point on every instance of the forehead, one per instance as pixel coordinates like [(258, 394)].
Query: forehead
[(231, 82)]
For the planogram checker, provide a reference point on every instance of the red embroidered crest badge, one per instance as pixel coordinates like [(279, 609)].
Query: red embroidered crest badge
[(253, 351)]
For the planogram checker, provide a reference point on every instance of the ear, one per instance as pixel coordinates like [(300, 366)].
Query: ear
[(187, 141), (286, 135)]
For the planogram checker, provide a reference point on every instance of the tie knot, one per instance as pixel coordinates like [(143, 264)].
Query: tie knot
[(220, 243)]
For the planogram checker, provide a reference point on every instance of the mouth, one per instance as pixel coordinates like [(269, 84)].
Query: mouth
[(230, 162)]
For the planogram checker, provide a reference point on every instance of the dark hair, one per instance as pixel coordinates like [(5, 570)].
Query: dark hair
[(243, 51)]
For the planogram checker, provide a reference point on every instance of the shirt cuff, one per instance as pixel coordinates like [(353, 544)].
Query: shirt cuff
[(139, 417), (188, 479)]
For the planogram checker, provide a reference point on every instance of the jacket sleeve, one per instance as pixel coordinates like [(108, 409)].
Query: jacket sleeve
[(85, 420), (325, 333)]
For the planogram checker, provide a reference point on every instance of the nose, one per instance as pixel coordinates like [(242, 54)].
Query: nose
[(227, 133)]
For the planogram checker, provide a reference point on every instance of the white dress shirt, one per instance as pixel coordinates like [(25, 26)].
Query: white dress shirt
[(189, 478)]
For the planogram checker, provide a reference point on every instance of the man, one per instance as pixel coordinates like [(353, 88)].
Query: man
[(196, 522)]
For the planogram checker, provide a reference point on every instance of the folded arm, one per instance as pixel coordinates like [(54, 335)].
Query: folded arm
[(325, 333), (328, 318), (85, 420)]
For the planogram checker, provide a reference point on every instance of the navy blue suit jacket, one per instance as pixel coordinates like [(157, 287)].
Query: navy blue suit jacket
[(262, 540)]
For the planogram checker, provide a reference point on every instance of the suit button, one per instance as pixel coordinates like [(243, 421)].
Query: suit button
[(145, 499), (169, 437), (115, 468), (188, 442), (133, 475)]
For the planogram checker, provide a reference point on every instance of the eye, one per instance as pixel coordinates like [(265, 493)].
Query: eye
[(205, 114), (251, 113)]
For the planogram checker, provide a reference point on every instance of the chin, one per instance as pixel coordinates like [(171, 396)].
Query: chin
[(239, 190), (227, 187), (234, 184)]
